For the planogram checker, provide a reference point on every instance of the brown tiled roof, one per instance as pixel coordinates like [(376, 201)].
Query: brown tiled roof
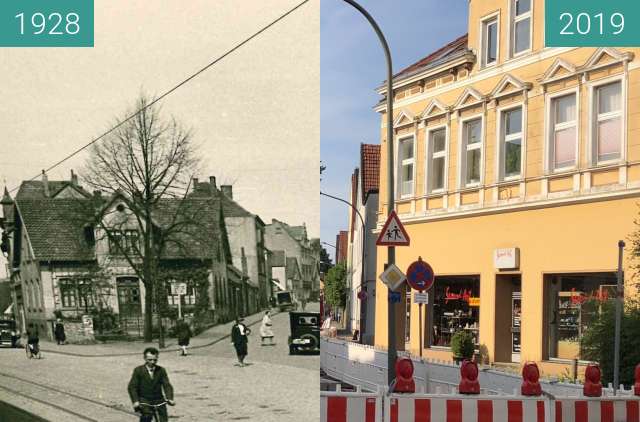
[(447, 52), (34, 189), (370, 168)]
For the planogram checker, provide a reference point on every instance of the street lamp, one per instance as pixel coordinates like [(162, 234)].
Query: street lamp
[(391, 251), (362, 283)]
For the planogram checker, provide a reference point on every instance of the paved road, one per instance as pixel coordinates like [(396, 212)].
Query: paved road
[(275, 387)]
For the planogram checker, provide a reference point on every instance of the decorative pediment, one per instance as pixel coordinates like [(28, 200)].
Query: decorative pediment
[(470, 96), (560, 69), (509, 84), (606, 56), (404, 118), (435, 108)]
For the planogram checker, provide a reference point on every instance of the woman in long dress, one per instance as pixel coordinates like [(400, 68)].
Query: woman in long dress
[(265, 329)]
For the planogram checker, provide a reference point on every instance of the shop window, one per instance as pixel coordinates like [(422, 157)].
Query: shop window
[(437, 156), (573, 301), (456, 307), (563, 143), (608, 122), (405, 163)]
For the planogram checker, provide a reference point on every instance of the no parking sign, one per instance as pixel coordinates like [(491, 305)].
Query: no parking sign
[(420, 275)]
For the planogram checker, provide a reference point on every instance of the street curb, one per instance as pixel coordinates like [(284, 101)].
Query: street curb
[(168, 349)]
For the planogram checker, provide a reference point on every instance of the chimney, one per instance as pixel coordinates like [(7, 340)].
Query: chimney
[(212, 181), (45, 184), (74, 178), (227, 190), (195, 183)]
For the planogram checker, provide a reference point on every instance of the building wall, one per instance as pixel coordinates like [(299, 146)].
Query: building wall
[(242, 234)]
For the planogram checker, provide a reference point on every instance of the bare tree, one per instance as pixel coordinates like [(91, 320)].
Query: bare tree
[(148, 162)]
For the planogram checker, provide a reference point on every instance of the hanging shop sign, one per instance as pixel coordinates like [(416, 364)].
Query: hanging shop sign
[(420, 275), (506, 258), (393, 232)]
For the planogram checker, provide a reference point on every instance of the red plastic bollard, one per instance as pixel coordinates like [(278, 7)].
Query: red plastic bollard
[(469, 378), (404, 376), (592, 384), (636, 385), (530, 380)]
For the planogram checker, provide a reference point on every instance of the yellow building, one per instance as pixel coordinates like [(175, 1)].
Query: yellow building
[(517, 170)]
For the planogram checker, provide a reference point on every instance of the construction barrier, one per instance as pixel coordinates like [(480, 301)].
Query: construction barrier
[(597, 409), (464, 408), (350, 407)]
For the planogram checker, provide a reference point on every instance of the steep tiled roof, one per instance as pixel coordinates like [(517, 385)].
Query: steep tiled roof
[(370, 169), (56, 228), (34, 189), (451, 50), (232, 209)]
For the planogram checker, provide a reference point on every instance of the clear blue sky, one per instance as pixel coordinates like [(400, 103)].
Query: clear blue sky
[(352, 65)]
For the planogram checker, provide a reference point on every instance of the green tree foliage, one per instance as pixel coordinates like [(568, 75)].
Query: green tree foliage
[(335, 286), (597, 343)]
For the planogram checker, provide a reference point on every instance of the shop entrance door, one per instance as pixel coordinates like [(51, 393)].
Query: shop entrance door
[(508, 324), (516, 307)]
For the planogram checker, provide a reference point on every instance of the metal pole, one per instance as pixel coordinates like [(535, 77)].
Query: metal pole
[(420, 326), (391, 254), (619, 299)]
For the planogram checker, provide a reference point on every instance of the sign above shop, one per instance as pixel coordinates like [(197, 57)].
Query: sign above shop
[(420, 275), (393, 277), (506, 258), (393, 232), (419, 297)]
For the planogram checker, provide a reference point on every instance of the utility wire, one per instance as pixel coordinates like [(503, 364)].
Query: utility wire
[(170, 91)]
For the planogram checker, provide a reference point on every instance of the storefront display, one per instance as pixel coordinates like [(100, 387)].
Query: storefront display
[(456, 307), (516, 310)]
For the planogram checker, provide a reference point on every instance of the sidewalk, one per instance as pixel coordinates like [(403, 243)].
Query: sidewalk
[(126, 348)]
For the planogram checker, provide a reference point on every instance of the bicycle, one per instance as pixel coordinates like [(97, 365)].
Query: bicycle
[(155, 407), (33, 351)]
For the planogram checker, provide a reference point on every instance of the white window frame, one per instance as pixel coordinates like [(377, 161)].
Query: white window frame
[(593, 119), (513, 19), (551, 127), (501, 140), (484, 23), (430, 156), (464, 148), (399, 164)]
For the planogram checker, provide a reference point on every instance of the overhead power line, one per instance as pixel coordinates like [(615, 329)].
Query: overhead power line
[(170, 91)]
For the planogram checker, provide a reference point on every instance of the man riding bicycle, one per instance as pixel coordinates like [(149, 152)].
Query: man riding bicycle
[(150, 388)]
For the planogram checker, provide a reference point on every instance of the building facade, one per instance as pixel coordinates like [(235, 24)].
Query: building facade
[(517, 170)]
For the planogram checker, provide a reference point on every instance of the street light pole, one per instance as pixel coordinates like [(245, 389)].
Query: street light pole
[(391, 251), (616, 339), (362, 282)]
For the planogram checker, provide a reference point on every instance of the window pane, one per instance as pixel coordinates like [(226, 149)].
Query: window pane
[(473, 166), (523, 29), (407, 180), (609, 139), (522, 6), (439, 139), (565, 108), (492, 42), (513, 121), (512, 158), (609, 98), (406, 149), (473, 131), (437, 173), (565, 147)]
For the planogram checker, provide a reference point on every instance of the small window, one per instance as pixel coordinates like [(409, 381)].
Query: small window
[(437, 159), (490, 41), (564, 132), (511, 144), (608, 131), (123, 242), (405, 162), (521, 26), (472, 151), (67, 293)]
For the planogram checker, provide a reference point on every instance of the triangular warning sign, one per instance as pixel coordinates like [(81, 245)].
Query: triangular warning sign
[(393, 232)]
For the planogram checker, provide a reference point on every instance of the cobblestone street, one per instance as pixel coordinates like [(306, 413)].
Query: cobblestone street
[(208, 386)]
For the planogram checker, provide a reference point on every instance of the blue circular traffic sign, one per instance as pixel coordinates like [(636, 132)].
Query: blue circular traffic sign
[(420, 275)]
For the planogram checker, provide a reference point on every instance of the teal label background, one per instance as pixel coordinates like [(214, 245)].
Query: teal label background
[(10, 25), (629, 37)]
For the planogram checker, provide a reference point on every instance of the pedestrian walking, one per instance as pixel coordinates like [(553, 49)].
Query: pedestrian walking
[(59, 332), (184, 336), (239, 339), (149, 388), (265, 329)]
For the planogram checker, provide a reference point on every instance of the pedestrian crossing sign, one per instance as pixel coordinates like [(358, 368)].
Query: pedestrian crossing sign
[(393, 232)]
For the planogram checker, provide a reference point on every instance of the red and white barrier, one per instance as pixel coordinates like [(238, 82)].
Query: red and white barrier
[(597, 409), (465, 408), (350, 407)]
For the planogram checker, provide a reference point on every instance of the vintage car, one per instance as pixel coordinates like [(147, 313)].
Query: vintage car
[(305, 332), (285, 302), (8, 333)]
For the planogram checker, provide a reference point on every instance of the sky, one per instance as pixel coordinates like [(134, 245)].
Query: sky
[(353, 66), (255, 114)]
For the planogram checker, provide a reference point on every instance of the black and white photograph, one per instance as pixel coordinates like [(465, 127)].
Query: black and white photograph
[(160, 222)]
